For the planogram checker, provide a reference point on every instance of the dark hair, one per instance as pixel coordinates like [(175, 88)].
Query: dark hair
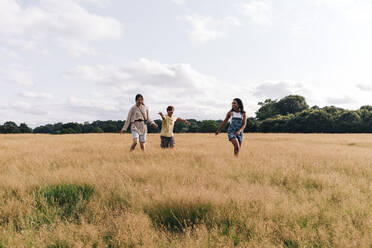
[(240, 105), (138, 96), (169, 108)]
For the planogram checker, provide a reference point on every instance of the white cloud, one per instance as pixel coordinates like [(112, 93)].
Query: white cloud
[(144, 72), (340, 100), (36, 95), (205, 28), (277, 90), (66, 23), (101, 3), (16, 74), (364, 87), (8, 53), (84, 104), (354, 10), (178, 2), (24, 108), (194, 94), (258, 11)]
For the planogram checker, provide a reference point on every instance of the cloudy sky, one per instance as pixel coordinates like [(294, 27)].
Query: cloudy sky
[(84, 60)]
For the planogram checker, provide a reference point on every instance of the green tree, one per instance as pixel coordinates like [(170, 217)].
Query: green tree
[(291, 104), (73, 127), (96, 130), (348, 122), (10, 127), (23, 128), (267, 110), (208, 126)]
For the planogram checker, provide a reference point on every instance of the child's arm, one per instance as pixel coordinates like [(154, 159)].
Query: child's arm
[(228, 115), (127, 122), (161, 115), (184, 121), (243, 126)]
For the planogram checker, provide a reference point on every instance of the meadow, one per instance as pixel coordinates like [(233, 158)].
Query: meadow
[(88, 190)]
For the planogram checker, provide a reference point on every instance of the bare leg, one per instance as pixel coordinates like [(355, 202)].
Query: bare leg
[(142, 144), (236, 145), (133, 145)]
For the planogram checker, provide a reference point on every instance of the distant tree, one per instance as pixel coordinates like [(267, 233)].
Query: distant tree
[(109, 128), (268, 109), (252, 125), (208, 126), (194, 126), (23, 128), (318, 121), (180, 127), (10, 127), (366, 120), (348, 122), (332, 110), (152, 129), (96, 130), (276, 124), (315, 107), (72, 127), (291, 105), (366, 107)]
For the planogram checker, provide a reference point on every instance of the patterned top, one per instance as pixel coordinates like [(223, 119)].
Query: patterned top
[(137, 117)]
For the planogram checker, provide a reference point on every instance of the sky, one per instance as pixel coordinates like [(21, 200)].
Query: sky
[(85, 60)]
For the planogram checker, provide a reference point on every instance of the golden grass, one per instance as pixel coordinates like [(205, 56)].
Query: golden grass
[(285, 190)]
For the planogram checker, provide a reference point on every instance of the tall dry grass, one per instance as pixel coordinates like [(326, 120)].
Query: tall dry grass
[(285, 190)]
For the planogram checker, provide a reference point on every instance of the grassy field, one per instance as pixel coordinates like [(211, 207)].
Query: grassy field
[(285, 190)]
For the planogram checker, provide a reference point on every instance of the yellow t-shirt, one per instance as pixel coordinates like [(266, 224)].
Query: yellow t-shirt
[(167, 126)]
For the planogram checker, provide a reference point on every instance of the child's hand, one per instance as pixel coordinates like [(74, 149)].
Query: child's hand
[(155, 125), (237, 133), (160, 113), (217, 132)]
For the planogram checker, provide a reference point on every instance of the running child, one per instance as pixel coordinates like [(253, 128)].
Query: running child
[(138, 117), (166, 135), (238, 120)]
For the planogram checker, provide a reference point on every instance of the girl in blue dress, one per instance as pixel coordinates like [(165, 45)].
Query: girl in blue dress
[(238, 120)]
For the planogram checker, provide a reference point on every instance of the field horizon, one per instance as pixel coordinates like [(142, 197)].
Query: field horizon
[(88, 190)]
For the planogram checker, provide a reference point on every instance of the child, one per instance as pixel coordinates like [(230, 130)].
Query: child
[(166, 135), (138, 116), (238, 120)]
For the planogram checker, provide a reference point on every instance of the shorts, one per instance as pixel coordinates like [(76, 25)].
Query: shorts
[(142, 138), (232, 135), (166, 142)]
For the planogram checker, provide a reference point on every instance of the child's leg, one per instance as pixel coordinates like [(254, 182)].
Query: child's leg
[(135, 137), (142, 144), (236, 145), (142, 140), (133, 144)]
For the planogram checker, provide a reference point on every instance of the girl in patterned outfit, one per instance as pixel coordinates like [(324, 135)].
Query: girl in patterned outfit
[(138, 116), (238, 120)]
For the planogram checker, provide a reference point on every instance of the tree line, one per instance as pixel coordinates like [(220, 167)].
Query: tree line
[(290, 114)]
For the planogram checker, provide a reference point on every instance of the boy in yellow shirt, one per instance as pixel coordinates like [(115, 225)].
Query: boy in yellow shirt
[(166, 135)]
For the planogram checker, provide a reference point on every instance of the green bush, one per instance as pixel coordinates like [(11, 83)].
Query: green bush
[(67, 200), (178, 216)]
